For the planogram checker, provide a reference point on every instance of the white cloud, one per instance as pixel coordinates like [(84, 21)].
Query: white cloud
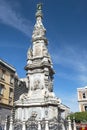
[(12, 18), (70, 58)]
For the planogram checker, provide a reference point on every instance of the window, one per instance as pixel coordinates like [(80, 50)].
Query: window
[(11, 79), (10, 93), (84, 95), (3, 75), (1, 89), (85, 108), (10, 96)]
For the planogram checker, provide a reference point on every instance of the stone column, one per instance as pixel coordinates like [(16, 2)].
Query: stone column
[(5, 126), (23, 125), (39, 125), (46, 125), (11, 123), (69, 124), (74, 124)]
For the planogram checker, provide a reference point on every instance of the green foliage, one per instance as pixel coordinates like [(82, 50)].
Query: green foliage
[(79, 117)]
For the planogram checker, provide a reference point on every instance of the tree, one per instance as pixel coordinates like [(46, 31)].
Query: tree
[(79, 117)]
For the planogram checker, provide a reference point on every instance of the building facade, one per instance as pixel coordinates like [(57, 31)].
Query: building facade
[(7, 74), (82, 98), (11, 87)]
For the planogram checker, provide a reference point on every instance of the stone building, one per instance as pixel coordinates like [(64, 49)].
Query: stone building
[(11, 87), (82, 98), (39, 108), (7, 74)]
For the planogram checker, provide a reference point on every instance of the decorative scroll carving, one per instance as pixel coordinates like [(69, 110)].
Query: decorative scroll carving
[(23, 96), (17, 125)]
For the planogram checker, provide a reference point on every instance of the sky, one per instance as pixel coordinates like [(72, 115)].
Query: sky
[(66, 25)]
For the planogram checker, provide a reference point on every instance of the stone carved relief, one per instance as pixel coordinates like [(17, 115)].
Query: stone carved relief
[(31, 123), (23, 96), (17, 125), (38, 33), (37, 50), (53, 124), (46, 94), (39, 24), (29, 53), (36, 84), (39, 30), (34, 114)]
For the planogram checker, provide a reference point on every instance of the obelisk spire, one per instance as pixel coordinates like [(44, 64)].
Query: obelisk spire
[(39, 30)]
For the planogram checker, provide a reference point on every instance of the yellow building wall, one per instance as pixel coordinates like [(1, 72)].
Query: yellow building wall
[(8, 85)]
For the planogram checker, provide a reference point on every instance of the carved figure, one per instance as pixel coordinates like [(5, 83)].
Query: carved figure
[(46, 95), (34, 114), (36, 84)]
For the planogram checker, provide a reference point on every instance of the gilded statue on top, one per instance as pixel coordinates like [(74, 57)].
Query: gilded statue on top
[(39, 6)]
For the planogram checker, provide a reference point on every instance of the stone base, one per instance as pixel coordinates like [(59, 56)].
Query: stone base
[(46, 108)]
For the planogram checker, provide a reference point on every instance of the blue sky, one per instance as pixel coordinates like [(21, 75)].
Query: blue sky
[(66, 25)]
